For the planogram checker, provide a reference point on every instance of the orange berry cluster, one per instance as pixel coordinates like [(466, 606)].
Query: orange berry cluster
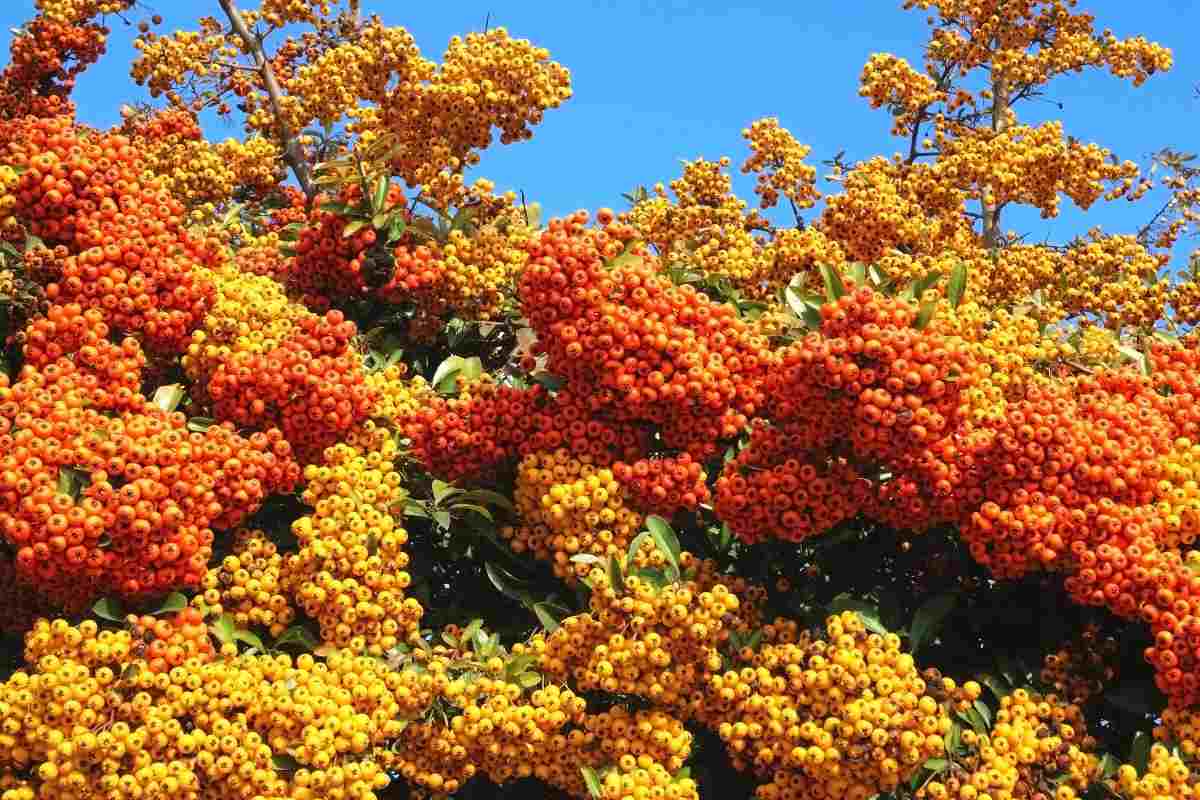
[(330, 264), (55, 47), (889, 80), (21, 601), (488, 424), (775, 487), (125, 503), (128, 255), (170, 642), (310, 385), (663, 485), (638, 347)]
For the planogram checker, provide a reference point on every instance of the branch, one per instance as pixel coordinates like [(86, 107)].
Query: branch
[(292, 153)]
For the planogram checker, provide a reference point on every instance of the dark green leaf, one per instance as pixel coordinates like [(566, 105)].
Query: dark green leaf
[(615, 578), (299, 636), (109, 608), (224, 629), (928, 618), (1139, 752), (506, 583), (174, 602), (666, 541), (868, 611)]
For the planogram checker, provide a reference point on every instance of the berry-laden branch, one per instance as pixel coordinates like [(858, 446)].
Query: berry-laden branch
[(292, 153)]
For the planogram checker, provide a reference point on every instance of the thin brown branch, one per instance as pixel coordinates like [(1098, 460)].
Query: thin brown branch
[(292, 152)]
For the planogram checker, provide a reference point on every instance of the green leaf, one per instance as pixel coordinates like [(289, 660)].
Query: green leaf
[(285, 762), (615, 578), (72, 481), (666, 541), (353, 227), (1108, 766), (109, 608), (810, 314), (683, 774), (957, 285), (984, 711), (447, 371), (924, 315), (954, 738), (299, 636), (174, 602), (472, 368), (200, 424), (528, 680), (834, 288), (169, 397), (1138, 358), (936, 765), (488, 496), (442, 490), (928, 618), (974, 719), (469, 632), (858, 273), (592, 781), (450, 639), (1139, 752), (549, 620), (868, 611), (224, 629), (586, 558), (924, 284), (482, 511), (442, 518), (506, 583), (396, 228), (248, 638), (381, 193), (518, 664), (1000, 688)]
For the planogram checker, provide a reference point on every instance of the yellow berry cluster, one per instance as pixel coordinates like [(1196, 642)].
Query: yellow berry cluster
[(249, 314), (76, 11), (350, 571), (1030, 165), (1034, 740), (656, 642), (849, 711), (212, 730), (248, 585), (1166, 775), (778, 160), (568, 506), (885, 204), (282, 12), (889, 80)]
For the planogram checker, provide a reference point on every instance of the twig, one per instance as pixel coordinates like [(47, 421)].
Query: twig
[(293, 154)]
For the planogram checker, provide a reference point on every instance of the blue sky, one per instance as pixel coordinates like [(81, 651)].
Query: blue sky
[(657, 82)]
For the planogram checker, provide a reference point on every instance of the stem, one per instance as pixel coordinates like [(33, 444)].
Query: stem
[(991, 211), (292, 153)]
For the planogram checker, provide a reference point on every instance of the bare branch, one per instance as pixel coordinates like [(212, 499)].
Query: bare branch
[(292, 152)]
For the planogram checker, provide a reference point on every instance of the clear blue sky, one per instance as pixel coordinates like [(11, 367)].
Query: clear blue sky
[(660, 81)]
